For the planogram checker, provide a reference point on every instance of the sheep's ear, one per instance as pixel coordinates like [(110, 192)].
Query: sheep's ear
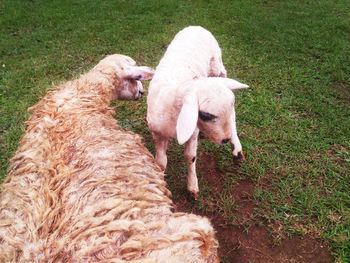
[(234, 84), (138, 73), (187, 120)]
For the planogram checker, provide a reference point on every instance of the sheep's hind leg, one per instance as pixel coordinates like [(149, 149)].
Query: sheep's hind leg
[(191, 158)]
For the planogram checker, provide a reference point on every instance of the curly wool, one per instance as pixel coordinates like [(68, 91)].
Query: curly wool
[(81, 189)]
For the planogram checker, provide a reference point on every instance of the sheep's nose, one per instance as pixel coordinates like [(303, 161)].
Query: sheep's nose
[(141, 92), (224, 141)]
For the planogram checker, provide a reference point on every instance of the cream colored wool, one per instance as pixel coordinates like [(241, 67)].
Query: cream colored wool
[(81, 189)]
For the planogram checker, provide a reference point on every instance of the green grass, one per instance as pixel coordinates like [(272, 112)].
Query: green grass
[(294, 121)]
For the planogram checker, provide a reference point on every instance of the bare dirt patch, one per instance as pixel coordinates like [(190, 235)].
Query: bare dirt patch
[(252, 242)]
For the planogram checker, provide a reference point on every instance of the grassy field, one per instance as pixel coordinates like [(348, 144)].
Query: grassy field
[(294, 121)]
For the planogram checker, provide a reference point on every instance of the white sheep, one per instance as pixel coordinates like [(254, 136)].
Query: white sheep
[(189, 93), (81, 189)]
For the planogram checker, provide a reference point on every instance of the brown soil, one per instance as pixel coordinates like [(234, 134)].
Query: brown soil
[(254, 243)]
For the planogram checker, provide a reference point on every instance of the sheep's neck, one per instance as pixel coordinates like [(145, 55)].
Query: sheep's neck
[(96, 89)]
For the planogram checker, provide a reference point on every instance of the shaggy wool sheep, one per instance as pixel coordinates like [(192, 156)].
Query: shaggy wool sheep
[(81, 189), (189, 93)]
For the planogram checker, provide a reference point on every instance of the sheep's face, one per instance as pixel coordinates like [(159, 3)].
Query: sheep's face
[(215, 115), (208, 106), (128, 76), (129, 89)]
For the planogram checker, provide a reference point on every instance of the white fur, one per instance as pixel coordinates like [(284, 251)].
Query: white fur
[(187, 81)]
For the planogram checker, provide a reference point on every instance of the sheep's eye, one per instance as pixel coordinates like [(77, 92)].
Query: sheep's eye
[(206, 116), (138, 77)]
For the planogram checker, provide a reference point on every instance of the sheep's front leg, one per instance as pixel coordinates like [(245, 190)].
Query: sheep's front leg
[(191, 158), (161, 148), (235, 143)]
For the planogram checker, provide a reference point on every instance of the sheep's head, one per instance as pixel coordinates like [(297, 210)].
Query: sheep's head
[(209, 106), (127, 75)]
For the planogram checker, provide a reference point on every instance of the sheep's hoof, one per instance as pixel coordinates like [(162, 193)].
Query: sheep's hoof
[(192, 195), (239, 158)]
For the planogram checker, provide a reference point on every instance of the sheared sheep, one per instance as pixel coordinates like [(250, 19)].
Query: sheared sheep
[(189, 93), (81, 189)]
